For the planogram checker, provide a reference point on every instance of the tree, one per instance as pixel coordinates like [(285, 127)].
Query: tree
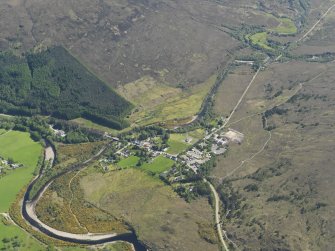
[(10, 161)]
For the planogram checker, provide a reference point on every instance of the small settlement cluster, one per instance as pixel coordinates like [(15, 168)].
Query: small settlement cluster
[(8, 165), (186, 162)]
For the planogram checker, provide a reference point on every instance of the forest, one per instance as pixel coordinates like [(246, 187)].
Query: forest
[(54, 83)]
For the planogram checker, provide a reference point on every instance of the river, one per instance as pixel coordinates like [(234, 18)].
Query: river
[(29, 213)]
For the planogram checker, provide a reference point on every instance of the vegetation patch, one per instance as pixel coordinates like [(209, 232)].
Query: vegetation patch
[(133, 195), (63, 207), (19, 147), (179, 142), (130, 161), (158, 165), (207, 232), (286, 26), (260, 39), (161, 103), (14, 238), (67, 157), (55, 83)]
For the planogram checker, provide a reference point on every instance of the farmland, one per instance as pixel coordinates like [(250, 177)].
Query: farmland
[(63, 207), (12, 238), (22, 149), (128, 162), (19, 147), (158, 165)]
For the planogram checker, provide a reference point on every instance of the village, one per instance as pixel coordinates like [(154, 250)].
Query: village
[(188, 162)]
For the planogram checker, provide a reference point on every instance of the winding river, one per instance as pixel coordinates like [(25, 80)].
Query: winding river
[(29, 213)]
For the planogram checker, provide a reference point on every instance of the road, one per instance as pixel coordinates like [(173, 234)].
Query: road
[(217, 215), (237, 105), (216, 196), (316, 24)]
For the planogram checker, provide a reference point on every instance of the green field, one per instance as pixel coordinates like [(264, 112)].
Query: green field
[(286, 25), (158, 165), (14, 238), (259, 39), (179, 142), (22, 149), (128, 162), (157, 102)]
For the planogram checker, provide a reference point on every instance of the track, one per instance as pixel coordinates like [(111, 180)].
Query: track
[(316, 24), (29, 214)]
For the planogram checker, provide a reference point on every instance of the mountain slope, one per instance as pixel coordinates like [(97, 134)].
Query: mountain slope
[(54, 83)]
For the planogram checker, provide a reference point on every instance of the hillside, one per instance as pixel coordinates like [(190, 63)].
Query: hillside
[(54, 83), (224, 111)]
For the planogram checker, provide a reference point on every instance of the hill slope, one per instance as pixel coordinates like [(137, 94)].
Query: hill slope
[(55, 83)]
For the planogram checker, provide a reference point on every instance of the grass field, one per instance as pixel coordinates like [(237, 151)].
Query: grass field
[(259, 39), (20, 147), (91, 125), (179, 142), (158, 165), (128, 162), (11, 236), (285, 27), (160, 217), (156, 102)]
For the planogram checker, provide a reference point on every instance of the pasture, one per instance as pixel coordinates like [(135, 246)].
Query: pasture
[(22, 149), (131, 161), (179, 142), (158, 165), (14, 238)]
